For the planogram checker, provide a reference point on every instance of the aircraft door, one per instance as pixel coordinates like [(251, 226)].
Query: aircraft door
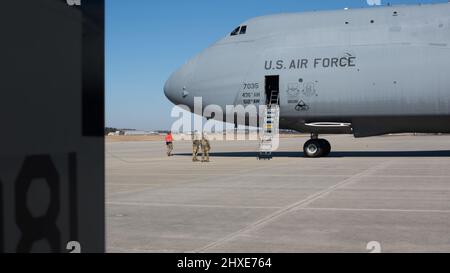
[(272, 89)]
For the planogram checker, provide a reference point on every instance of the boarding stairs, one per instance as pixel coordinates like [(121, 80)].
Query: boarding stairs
[(269, 135)]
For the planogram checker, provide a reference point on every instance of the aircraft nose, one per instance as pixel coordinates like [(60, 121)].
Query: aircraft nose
[(171, 88), (176, 87)]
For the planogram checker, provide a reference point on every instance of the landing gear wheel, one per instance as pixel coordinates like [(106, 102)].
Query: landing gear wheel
[(326, 146), (313, 148)]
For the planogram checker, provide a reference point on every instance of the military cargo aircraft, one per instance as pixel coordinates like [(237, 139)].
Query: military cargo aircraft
[(366, 72)]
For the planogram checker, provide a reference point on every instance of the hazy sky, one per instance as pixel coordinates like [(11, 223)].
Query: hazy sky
[(147, 40)]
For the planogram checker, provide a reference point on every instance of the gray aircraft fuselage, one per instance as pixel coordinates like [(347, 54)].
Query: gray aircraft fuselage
[(367, 72)]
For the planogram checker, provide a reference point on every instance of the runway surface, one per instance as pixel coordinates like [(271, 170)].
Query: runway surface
[(394, 190)]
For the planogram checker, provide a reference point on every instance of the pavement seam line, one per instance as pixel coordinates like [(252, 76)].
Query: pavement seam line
[(188, 205), (378, 210)]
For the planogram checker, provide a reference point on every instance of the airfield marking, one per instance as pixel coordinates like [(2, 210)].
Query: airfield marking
[(377, 210), (253, 175), (297, 205), (269, 207), (189, 205)]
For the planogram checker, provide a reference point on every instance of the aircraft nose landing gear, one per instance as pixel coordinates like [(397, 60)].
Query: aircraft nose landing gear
[(316, 147)]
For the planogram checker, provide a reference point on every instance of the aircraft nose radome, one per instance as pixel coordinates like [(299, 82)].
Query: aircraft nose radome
[(168, 91), (172, 88), (177, 87)]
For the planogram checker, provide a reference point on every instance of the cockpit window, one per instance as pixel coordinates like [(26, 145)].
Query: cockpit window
[(235, 32), (239, 31)]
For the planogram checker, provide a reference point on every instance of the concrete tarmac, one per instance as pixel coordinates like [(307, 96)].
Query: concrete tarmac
[(394, 190)]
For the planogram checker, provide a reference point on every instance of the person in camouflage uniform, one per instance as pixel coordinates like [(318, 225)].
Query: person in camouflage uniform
[(206, 147), (196, 143)]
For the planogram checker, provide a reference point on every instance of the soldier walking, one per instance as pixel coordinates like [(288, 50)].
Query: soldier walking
[(206, 147), (196, 143)]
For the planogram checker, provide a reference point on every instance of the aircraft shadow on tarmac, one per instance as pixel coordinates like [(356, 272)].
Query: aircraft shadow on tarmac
[(336, 154)]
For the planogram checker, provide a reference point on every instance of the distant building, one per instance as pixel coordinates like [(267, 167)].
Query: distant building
[(137, 133)]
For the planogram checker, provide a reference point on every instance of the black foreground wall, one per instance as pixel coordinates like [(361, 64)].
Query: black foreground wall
[(51, 126)]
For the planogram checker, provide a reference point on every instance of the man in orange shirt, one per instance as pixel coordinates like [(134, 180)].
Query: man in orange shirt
[(169, 143)]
